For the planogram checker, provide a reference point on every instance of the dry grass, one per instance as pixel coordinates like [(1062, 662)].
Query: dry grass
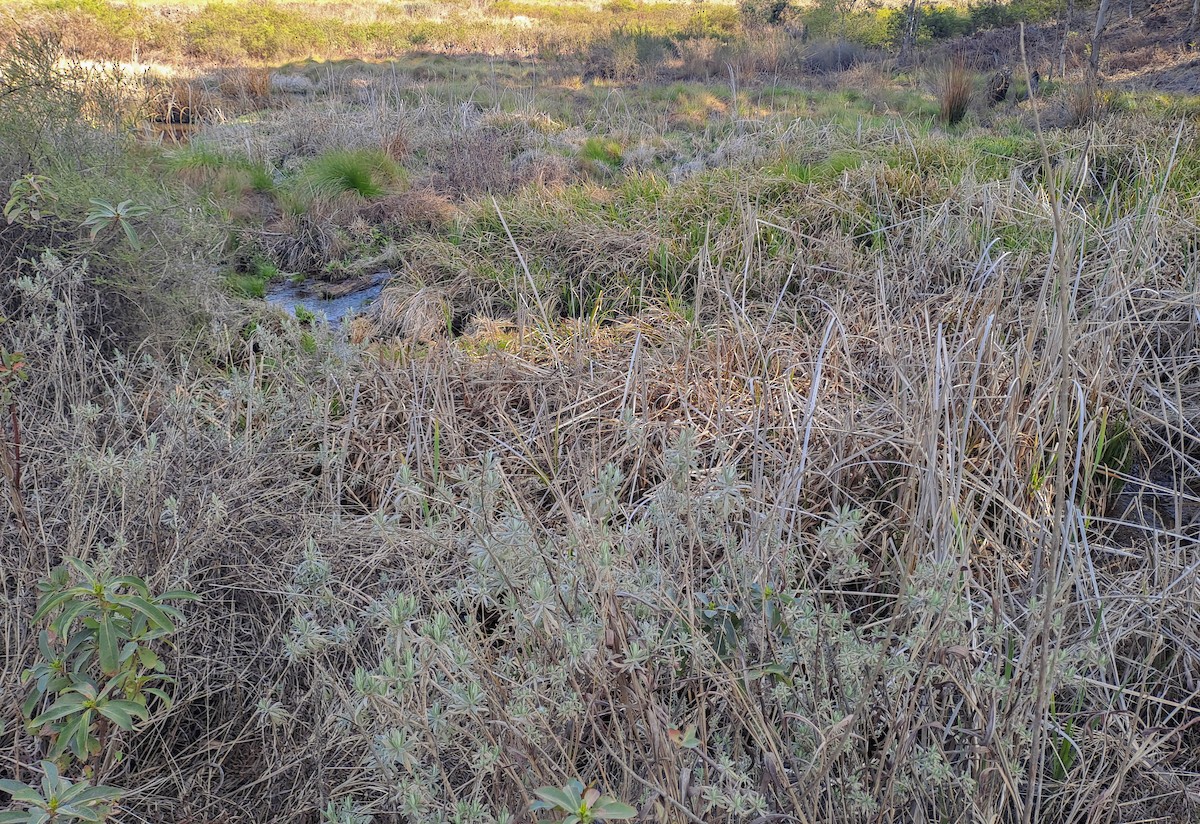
[(422, 315), (561, 513), (251, 87), (421, 209), (881, 482), (954, 93)]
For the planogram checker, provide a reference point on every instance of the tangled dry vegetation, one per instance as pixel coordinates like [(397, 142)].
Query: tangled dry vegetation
[(854, 483)]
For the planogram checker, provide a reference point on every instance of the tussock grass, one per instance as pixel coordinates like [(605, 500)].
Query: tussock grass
[(955, 92), (364, 172), (601, 151)]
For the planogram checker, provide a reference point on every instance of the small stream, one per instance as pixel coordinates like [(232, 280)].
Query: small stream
[(334, 310)]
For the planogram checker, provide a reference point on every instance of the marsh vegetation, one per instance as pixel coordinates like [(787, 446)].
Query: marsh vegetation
[(750, 425)]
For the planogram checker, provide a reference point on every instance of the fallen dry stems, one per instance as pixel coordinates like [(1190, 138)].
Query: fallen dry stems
[(849, 512)]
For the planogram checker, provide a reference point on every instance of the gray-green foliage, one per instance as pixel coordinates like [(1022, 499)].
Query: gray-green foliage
[(554, 613), (105, 216)]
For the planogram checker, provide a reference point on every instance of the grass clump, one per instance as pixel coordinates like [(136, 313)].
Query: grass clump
[(367, 173), (203, 167), (252, 283), (602, 150), (954, 93), (246, 285)]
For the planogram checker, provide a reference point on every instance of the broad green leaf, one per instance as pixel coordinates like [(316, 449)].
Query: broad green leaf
[(131, 235), (93, 794), (88, 690), (108, 647), (63, 741), (77, 640), (18, 791), (179, 595), (161, 695), (80, 813), (75, 736), (81, 606), (555, 798), (610, 809), (117, 715), (152, 612), (14, 818), (83, 569), (49, 770), (68, 704), (147, 658), (73, 792), (30, 703), (132, 708), (51, 603)]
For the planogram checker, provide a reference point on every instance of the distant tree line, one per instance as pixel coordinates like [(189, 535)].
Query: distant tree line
[(923, 21), (900, 28)]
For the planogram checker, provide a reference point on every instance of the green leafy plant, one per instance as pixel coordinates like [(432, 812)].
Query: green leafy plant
[(721, 620), (104, 216), (580, 805), (58, 799), (772, 602), (98, 669), (304, 315), (27, 198)]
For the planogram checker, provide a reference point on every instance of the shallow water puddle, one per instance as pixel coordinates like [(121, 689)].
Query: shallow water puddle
[(334, 309)]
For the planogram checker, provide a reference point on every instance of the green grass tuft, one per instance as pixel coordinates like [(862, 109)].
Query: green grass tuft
[(246, 286), (602, 150), (367, 173)]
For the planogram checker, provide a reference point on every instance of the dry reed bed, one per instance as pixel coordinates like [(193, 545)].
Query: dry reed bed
[(808, 506), (819, 519)]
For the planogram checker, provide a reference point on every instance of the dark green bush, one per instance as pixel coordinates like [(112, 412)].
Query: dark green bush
[(992, 14), (763, 12), (939, 22)]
